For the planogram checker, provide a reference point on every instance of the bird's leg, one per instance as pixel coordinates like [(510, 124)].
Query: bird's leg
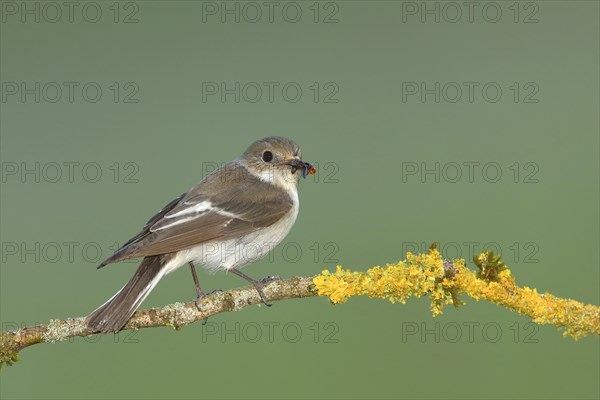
[(257, 284), (199, 292)]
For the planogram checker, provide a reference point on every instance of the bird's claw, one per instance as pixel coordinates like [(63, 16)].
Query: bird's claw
[(263, 298), (199, 297), (269, 278)]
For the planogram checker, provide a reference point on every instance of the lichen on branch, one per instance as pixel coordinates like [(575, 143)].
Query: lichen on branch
[(443, 281)]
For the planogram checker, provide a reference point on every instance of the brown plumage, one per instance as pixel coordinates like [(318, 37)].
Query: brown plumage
[(249, 200)]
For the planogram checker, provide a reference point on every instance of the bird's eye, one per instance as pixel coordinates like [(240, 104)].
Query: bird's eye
[(267, 156)]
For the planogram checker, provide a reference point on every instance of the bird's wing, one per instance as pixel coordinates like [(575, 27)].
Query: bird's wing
[(213, 209)]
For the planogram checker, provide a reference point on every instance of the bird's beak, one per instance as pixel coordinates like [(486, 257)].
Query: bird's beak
[(305, 167)]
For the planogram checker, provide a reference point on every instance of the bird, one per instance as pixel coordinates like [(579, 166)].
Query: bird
[(231, 218)]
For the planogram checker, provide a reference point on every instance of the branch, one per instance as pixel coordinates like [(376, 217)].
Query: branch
[(176, 315), (443, 281)]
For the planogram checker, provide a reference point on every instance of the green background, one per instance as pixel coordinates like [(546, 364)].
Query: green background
[(365, 212)]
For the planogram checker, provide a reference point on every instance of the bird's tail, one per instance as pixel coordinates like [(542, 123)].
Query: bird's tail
[(114, 314)]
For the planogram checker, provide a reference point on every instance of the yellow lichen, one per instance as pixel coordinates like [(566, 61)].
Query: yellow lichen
[(424, 274)]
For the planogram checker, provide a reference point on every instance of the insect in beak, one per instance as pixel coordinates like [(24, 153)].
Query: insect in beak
[(305, 167)]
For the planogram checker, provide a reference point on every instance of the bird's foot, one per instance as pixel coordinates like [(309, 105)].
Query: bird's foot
[(199, 298), (270, 278)]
